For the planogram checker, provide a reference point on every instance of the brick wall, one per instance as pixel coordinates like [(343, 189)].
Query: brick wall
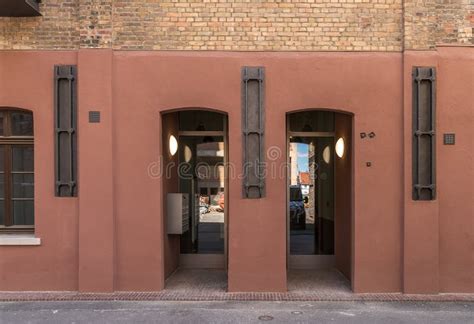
[(259, 25), (95, 23), (56, 29), (455, 21), (242, 25), (430, 22)]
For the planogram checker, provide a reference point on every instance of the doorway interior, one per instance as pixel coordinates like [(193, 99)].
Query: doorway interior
[(319, 196), (202, 176)]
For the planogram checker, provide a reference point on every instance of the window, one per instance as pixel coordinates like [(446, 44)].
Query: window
[(16, 171)]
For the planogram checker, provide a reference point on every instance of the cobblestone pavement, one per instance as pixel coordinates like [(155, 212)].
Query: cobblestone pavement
[(211, 285), (164, 312)]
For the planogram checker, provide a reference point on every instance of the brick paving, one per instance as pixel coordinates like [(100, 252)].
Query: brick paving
[(211, 285), (225, 296)]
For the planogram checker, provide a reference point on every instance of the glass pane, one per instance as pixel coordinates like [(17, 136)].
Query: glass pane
[(22, 123), (204, 157), (2, 212), (210, 157), (1, 124), (23, 185), (198, 120), (301, 193), (311, 195), (312, 121), (22, 158), (23, 212)]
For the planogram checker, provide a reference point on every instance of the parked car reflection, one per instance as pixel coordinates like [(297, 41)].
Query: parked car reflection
[(297, 211)]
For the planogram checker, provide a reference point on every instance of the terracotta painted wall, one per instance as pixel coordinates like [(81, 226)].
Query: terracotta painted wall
[(26, 81), (439, 236), (399, 245), (456, 169), (421, 223), (344, 197), (170, 184), (353, 83), (137, 183), (95, 176), (257, 232)]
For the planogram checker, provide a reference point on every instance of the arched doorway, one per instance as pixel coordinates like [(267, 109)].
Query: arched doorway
[(319, 203), (196, 141)]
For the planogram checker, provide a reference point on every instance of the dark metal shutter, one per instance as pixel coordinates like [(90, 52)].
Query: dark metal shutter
[(253, 124), (424, 139), (65, 126)]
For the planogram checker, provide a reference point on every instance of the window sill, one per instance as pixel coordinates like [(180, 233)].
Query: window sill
[(19, 239)]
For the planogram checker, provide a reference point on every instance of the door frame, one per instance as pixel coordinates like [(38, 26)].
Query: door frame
[(212, 261)]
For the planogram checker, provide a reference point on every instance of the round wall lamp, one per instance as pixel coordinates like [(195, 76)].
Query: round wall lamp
[(340, 147), (188, 154), (327, 155), (173, 145)]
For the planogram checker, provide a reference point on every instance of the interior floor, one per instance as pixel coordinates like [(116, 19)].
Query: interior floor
[(208, 281), (197, 281), (318, 281)]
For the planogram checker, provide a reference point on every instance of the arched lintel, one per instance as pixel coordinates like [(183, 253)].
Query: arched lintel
[(173, 110), (13, 108), (335, 110)]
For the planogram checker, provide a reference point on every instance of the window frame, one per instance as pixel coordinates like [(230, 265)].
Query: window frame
[(8, 140)]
